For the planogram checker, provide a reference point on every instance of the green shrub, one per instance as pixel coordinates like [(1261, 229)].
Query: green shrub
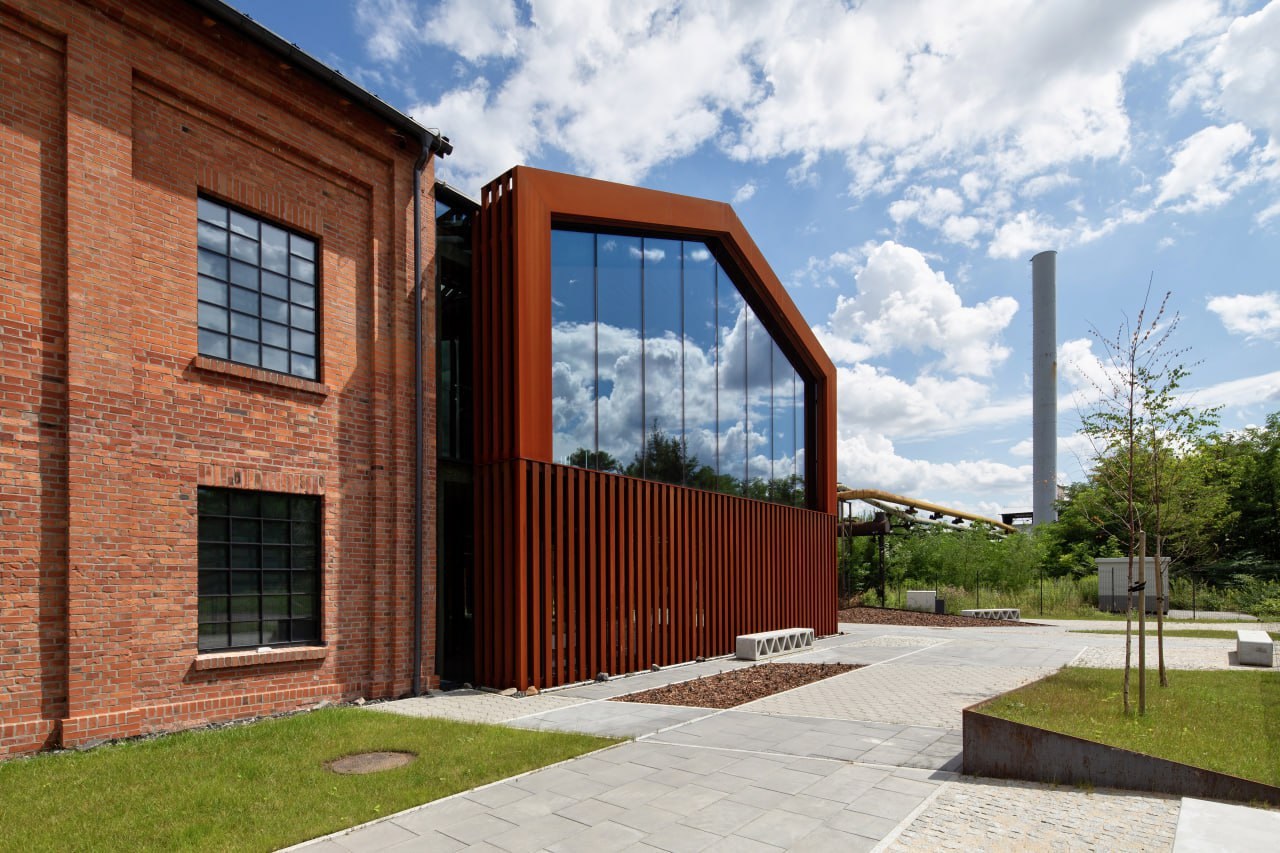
[(1087, 587)]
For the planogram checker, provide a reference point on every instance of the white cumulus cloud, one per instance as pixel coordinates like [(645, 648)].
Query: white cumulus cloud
[(902, 303), (1251, 315), (892, 90), (1205, 171)]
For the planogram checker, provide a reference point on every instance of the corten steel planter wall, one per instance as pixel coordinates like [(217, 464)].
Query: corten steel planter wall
[(579, 571), (1004, 749)]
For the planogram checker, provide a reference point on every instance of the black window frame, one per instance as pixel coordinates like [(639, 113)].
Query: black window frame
[(251, 309), (236, 565)]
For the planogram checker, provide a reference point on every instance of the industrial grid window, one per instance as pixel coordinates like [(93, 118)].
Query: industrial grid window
[(259, 568), (257, 291)]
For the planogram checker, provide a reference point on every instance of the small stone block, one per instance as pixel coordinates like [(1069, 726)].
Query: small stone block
[(1254, 648)]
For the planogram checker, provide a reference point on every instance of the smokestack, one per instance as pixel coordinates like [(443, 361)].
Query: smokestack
[(1044, 392)]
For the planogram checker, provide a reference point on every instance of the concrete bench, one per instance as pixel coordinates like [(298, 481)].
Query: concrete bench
[(1254, 648), (995, 613), (766, 644)]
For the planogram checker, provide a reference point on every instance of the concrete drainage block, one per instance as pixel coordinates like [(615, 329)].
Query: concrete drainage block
[(767, 644)]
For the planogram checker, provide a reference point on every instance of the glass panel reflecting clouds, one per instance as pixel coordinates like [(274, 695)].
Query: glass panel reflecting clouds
[(700, 366), (663, 380), (759, 407), (661, 370), (573, 347), (731, 407), (620, 382), (782, 484)]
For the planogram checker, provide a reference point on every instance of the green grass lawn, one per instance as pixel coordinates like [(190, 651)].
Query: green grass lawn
[(255, 787), (1206, 634), (1103, 616), (1224, 721)]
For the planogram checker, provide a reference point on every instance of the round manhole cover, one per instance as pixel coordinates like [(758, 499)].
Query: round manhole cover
[(370, 762)]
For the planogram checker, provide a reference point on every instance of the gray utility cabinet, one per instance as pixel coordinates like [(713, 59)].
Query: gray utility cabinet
[(1113, 581)]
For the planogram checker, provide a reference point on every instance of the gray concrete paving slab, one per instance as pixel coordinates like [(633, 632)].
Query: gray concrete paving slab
[(610, 719), (856, 762), (475, 706), (1200, 825)]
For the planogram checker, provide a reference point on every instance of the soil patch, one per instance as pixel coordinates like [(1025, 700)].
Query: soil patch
[(369, 762), (888, 616), (738, 686)]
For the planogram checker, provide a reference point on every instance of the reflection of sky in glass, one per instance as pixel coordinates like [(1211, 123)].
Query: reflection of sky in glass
[(651, 334), (759, 399), (621, 356), (700, 354), (731, 378), (573, 346)]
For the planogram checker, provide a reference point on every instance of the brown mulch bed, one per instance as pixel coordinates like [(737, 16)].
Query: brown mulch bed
[(888, 616), (738, 686)]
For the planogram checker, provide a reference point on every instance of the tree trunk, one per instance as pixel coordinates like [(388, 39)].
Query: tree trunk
[(1128, 631), (1142, 623), (1160, 593)]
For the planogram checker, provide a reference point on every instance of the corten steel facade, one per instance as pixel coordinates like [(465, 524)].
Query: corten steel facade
[(208, 403), (118, 121), (579, 571)]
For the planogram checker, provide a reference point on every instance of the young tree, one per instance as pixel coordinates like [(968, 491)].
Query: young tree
[(1179, 493), (1137, 424)]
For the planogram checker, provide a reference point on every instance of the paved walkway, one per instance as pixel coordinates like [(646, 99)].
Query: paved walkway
[(867, 760)]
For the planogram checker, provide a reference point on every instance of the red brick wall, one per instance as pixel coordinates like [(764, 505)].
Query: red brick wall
[(115, 116)]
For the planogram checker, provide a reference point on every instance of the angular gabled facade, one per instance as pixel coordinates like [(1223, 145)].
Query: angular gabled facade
[(595, 551)]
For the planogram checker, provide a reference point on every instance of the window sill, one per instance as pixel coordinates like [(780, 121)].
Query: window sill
[(257, 374), (258, 657)]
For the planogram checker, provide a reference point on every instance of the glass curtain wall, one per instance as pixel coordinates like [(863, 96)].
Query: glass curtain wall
[(661, 370)]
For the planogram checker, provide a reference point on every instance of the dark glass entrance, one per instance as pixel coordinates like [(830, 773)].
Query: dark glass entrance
[(455, 624)]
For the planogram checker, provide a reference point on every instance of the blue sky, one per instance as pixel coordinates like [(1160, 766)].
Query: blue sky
[(899, 163)]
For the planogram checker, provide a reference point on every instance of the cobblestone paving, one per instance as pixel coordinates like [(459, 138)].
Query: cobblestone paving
[(897, 692), (894, 642), (1179, 653), (810, 737), (973, 814)]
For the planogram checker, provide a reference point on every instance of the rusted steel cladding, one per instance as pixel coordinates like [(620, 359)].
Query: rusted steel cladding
[(615, 574)]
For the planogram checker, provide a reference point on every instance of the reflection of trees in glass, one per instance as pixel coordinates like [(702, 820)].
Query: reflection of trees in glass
[(595, 460), (664, 458), (667, 458), (787, 490)]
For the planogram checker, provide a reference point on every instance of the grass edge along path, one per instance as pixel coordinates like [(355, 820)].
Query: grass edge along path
[(1217, 720), (1205, 634), (258, 786)]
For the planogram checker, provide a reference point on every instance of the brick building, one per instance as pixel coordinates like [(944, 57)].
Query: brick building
[(163, 165), (220, 444)]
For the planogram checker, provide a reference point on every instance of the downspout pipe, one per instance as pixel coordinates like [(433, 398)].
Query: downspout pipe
[(431, 143)]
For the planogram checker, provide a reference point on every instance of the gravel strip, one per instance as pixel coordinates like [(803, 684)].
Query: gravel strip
[(887, 616), (739, 686)]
